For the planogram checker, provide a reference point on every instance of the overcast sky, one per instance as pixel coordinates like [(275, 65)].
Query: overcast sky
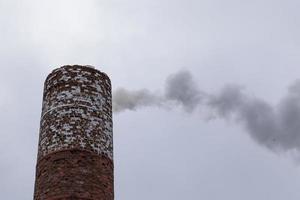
[(160, 153)]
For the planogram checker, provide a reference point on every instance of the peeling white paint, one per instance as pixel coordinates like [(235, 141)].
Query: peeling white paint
[(76, 112)]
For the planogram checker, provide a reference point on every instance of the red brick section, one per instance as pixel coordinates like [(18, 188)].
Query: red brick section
[(75, 156), (74, 174)]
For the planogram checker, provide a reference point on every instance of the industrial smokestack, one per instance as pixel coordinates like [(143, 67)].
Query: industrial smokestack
[(75, 153)]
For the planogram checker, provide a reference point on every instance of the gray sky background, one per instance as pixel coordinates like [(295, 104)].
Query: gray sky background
[(159, 154)]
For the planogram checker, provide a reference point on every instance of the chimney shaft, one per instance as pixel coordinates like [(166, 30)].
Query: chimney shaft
[(75, 155)]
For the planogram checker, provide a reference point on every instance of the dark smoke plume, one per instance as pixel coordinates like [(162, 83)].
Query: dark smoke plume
[(275, 127), (131, 100), (180, 89)]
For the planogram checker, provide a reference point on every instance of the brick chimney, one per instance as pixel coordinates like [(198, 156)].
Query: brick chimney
[(75, 152)]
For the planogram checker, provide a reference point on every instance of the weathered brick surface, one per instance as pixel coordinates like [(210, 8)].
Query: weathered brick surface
[(74, 174), (75, 156), (76, 111)]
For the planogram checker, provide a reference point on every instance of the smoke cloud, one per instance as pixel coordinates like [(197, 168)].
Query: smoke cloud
[(276, 127), (124, 99), (180, 89)]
